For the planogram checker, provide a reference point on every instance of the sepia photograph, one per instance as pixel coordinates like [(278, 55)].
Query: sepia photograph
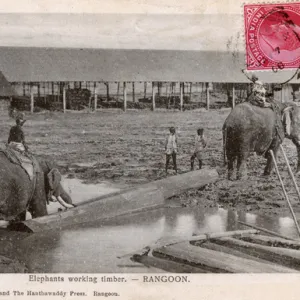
[(153, 142)]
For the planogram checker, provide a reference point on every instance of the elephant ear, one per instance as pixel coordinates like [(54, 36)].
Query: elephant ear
[(286, 119), (54, 178)]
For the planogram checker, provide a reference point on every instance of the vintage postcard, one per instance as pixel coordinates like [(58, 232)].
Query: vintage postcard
[(149, 149)]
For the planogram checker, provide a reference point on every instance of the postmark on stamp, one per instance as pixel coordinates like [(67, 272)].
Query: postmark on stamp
[(272, 35)]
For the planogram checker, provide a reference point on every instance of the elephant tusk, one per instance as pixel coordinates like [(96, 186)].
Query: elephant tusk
[(4, 224), (63, 203)]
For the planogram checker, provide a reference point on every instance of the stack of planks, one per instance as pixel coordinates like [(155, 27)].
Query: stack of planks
[(231, 252)]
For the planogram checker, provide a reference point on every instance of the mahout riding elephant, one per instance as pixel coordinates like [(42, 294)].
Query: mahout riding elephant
[(250, 128), (18, 194)]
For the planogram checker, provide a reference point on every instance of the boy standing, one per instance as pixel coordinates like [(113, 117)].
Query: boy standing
[(171, 149), (200, 144)]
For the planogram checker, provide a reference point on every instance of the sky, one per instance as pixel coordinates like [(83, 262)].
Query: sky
[(127, 24)]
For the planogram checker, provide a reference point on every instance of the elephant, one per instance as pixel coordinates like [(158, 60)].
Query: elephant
[(17, 194), (250, 128)]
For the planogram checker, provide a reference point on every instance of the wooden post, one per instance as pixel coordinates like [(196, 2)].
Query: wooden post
[(191, 85), (45, 98), (159, 84), (39, 90), (107, 90), (31, 99), (153, 97), (95, 97), (133, 92), (145, 90), (207, 96), (233, 96), (64, 98), (95, 101), (118, 90), (181, 95), (24, 89), (125, 96)]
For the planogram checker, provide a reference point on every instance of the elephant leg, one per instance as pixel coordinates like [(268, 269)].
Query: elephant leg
[(230, 165), (38, 209), (21, 217), (298, 165), (241, 166), (270, 164)]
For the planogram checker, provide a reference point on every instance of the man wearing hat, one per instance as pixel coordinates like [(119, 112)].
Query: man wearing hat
[(258, 94)]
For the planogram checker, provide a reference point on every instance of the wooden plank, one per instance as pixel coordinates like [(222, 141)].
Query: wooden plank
[(129, 202), (174, 185), (202, 237), (166, 265), (283, 256), (216, 261), (216, 247), (272, 241)]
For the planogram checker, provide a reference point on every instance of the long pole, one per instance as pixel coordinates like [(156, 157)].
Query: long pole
[(290, 171), (284, 191), (266, 231)]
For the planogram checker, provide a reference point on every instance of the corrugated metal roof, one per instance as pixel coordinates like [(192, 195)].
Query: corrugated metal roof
[(6, 89), (62, 64)]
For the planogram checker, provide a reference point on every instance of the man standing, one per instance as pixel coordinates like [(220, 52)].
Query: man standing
[(171, 149)]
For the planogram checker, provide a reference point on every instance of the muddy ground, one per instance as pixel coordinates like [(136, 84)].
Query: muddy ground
[(128, 149)]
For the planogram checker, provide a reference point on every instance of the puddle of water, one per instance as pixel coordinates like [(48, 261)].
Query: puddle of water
[(94, 247)]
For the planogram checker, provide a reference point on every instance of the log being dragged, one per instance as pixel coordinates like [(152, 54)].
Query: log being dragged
[(287, 257), (146, 196), (215, 261)]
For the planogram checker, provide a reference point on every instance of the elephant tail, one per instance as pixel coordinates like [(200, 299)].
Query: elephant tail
[(224, 131)]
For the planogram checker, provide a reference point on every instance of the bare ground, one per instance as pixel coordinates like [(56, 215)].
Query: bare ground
[(128, 148)]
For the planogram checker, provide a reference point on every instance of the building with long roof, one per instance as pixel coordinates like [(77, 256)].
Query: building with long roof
[(31, 69)]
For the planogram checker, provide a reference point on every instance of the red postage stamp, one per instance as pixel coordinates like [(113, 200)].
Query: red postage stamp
[(272, 34)]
